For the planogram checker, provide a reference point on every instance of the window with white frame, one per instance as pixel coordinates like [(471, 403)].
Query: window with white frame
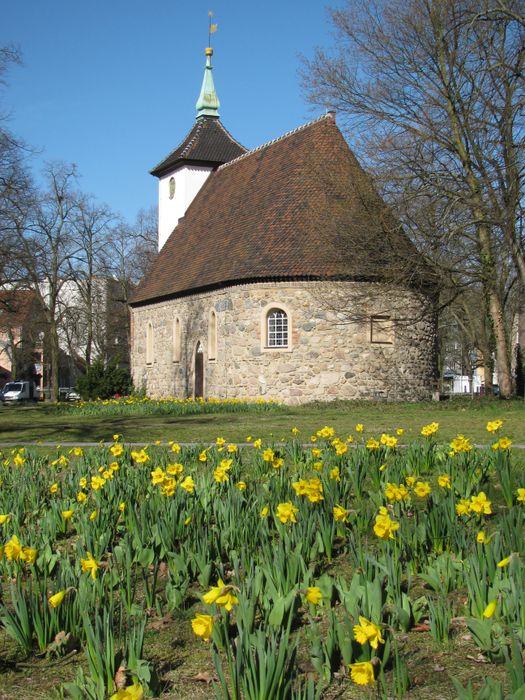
[(276, 329)]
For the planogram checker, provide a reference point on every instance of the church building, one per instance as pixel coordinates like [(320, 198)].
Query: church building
[(281, 274)]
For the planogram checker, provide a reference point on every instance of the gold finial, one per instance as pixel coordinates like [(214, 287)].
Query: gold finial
[(212, 28)]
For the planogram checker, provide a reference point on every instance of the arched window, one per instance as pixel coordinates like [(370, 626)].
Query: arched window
[(149, 343), (276, 329), (212, 336), (176, 340)]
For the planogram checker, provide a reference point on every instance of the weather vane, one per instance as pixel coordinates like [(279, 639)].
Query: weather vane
[(212, 27)]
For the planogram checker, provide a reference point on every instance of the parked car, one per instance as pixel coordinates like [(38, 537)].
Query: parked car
[(73, 395), (16, 392)]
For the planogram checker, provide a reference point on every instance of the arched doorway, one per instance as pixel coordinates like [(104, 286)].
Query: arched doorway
[(199, 372)]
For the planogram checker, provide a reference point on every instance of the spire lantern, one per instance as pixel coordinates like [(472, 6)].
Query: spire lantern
[(208, 102)]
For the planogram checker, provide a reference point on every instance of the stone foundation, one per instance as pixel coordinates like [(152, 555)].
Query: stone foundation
[(335, 351)]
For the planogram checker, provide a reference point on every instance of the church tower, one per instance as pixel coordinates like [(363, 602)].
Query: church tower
[(185, 170)]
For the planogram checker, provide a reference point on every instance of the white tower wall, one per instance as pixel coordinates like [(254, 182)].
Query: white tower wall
[(188, 181)]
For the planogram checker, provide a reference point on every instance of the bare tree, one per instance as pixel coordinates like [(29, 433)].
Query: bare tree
[(46, 239), (86, 330), (434, 89)]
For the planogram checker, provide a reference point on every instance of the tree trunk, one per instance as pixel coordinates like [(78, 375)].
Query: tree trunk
[(54, 354)]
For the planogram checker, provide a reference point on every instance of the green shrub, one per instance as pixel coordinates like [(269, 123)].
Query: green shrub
[(104, 381)]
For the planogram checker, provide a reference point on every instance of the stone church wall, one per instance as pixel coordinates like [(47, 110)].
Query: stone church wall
[(348, 340)]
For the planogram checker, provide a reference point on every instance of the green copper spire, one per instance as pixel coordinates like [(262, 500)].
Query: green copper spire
[(208, 102)]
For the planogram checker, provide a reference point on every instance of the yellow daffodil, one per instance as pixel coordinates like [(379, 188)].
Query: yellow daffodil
[(340, 514), (122, 506), (140, 456), (264, 511), (463, 507), (13, 549), (480, 537), (520, 495), (203, 456), (187, 484), (81, 497), (460, 444), (97, 482), (220, 475), (286, 512), (334, 474), (503, 444), (384, 526), (444, 481), (241, 485), (116, 450), (175, 469), (372, 444), (313, 595), (359, 428), (67, 514), (504, 562), (130, 692), (222, 595), (53, 488), (202, 626), (362, 673), (4, 519), (93, 515), (422, 489), (90, 565), (480, 504), (494, 425), (410, 481), (490, 609), (55, 600), (82, 482), (29, 555), (157, 476), (388, 440), (367, 632), (430, 429)]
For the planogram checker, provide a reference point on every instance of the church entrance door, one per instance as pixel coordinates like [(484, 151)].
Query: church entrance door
[(199, 372)]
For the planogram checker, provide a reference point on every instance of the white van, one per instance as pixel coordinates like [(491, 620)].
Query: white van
[(14, 392)]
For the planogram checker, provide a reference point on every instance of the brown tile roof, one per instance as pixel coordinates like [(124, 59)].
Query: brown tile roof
[(207, 142), (298, 207)]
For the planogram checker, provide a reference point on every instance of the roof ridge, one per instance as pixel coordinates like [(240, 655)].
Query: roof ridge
[(191, 141), (328, 115), (174, 150), (230, 136)]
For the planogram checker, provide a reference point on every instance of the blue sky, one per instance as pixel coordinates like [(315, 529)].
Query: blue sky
[(111, 85)]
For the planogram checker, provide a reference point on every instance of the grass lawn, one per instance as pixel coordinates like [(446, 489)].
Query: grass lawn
[(48, 423)]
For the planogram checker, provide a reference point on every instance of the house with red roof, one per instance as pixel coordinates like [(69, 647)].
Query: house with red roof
[(281, 274)]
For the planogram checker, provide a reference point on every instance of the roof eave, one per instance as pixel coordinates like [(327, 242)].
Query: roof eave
[(161, 170)]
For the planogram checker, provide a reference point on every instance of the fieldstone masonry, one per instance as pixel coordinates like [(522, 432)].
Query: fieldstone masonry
[(331, 354)]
